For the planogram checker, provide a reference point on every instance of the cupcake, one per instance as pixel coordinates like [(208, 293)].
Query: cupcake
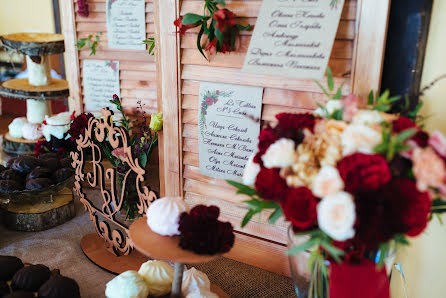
[(127, 285), (163, 215), (32, 131), (158, 276)]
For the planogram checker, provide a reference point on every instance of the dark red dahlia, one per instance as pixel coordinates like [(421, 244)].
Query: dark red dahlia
[(79, 125), (202, 233), (270, 185), (299, 207), (404, 123), (364, 172)]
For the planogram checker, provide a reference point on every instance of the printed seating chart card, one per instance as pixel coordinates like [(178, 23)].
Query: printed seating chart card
[(229, 126), (294, 38), (126, 24), (100, 79)]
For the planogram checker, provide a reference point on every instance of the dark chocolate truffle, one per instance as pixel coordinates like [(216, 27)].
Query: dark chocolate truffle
[(11, 175), (10, 162), (59, 286), (2, 168), (21, 294), (66, 162), (25, 164), (30, 278), (51, 163), (9, 265), (7, 186), (39, 172), (4, 288), (63, 174), (38, 183), (48, 155)]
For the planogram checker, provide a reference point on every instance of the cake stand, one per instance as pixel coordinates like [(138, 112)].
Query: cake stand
[(167, 248), (40, 87)]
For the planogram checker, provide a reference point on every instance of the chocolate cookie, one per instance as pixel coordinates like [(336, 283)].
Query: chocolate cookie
[(11, 175), (38, 183), (9, 265), (59, 286), (30, 278), (51, 163), (7, 186), (48, 155), (66, 162), (39, 172), (63, 174), (25, 164), (20, 294), (4, 288)]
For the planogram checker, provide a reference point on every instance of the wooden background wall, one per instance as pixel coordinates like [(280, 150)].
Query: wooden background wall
[(356, 59), (137, 67)]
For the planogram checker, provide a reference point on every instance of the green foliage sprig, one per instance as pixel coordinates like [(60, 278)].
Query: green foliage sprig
[(150, 42), (91, 42)]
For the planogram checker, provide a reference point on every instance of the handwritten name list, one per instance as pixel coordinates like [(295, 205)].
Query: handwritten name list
[(126, 24), (100, 82), (294, 38), (229, 127)]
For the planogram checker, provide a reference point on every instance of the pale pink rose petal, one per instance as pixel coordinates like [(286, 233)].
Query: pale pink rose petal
[(350, 104), (438, 141), (119, 153), (428, 168)]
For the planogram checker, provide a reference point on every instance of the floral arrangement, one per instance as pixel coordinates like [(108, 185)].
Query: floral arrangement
[(82, 8), (351, 179), (219, 25)]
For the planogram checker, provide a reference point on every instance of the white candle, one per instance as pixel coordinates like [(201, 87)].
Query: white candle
[(37, 109)]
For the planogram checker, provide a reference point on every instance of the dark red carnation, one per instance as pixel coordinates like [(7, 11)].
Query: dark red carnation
[(289, 121), (203, 233), (299, 208), (404, 123), (78, 126), (364, 172), (270, 185), (224, 19), (266, 138)]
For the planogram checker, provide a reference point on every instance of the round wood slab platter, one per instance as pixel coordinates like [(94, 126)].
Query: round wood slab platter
[(162, 248), (21, 89), (40, 216), (16, 146), (35, 44)]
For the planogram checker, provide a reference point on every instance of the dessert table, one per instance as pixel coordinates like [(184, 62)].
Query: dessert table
[(60, 248)]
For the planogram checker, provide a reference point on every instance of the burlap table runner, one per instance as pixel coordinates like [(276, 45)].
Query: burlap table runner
[(60, 248)]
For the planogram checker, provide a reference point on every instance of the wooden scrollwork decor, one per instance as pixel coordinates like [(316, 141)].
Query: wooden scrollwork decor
[(104, 217)]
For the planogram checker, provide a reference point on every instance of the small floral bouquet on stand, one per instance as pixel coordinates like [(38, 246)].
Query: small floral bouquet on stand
[(354, 182)]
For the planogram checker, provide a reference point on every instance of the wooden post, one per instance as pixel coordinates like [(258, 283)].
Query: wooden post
[(177, 280)]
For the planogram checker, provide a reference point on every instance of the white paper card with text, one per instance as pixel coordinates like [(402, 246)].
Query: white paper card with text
[(293, 38), (228, 128), (100, 79), (126, 24)]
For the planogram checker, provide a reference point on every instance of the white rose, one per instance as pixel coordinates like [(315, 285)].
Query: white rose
[(367, 117), (280, 154), (327, 182), (336, 216), (330, 107), (251, 171), (359, 138)]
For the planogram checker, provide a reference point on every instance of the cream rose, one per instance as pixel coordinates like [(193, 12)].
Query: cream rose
[(251, 171), (367, 117), (330, 107), (280, 154), (336, 216), (428, 168), (359, 138), (327, 182)]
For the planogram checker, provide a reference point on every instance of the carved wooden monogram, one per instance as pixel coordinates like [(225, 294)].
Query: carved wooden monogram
[(104, 217)]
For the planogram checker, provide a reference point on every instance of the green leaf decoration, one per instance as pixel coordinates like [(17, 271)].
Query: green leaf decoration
[(338, 95), (330, 80), (335, 252), (200, 34), (278, 213), (371, 98), (303, 247), (405, 135), (322, 88), (219, 36), (243, 189), (192, 18), (248, 217), (143, 159)]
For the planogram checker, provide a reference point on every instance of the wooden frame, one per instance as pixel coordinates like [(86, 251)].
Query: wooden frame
[(360, 40)]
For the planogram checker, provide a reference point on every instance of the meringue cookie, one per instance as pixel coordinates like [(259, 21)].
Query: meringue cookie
[(194, 280), (158, 276), (127, 285), (59, 119), (163, 215), (31, 131), (56, 126), (202, 294), (15, 128)]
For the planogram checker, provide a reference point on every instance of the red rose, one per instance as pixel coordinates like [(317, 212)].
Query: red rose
[(299, 207), (182, 28), (270, 185), (301, 121), (78, 125), (212, 47), (364, 172), (404, 123), (225, 19), (266, 138)]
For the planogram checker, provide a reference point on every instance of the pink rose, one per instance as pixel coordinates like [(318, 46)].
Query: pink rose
[(350, 105), (209, 100), (119, 153), (429, 169), (438, 141)]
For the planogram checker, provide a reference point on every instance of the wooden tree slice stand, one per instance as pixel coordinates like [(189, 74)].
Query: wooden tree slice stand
[(39, 216), (34, 44), (16, 146), (167, 248), (22, 89)]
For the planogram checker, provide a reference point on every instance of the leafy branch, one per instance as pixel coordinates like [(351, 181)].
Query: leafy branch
[(383, 102), (150, 42), (91, 42), (393, 144)]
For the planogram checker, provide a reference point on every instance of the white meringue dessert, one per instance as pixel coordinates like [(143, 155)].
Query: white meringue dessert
[(15, 128), (194, 280), (127, 285), (56, 126), (31, 131), (163, 215), (158, 276), (202, 294)]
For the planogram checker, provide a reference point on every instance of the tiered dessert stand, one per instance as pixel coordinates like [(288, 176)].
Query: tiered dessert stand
[(168, 249), (47, 210), (39, 88)]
